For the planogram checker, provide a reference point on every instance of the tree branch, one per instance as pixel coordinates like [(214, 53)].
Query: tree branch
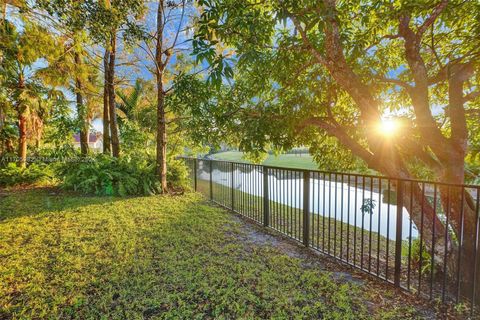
[(444, 72), (426, 123), (394, 81), (460, 74), (167, 59), (431, 19), (343, 138), (471, 96), (412, 148), (307, 42)]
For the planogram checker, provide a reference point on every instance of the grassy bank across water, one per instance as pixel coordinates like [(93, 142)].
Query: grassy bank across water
[(298, 161)]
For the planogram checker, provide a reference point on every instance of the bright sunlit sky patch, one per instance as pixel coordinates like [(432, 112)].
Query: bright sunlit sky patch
[(388, 127)]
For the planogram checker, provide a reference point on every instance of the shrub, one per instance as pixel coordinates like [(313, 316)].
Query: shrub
[(105, 175), (34, 174), (128, 175), (177, 174)]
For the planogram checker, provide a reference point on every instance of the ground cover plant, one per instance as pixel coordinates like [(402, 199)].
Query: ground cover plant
[(70, 256)]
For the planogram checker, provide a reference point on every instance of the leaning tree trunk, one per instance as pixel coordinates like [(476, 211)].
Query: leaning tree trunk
[(81, 112), (161, 163), (111, 97), (425, 217), (454, 247), (415, 201), (106, 109), (461, 209), (462, 213)]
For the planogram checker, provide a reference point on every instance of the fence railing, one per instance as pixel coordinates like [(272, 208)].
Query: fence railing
[(421, 236)]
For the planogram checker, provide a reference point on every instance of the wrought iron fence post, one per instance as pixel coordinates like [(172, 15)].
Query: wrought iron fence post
[(398, 236), (211, 180), (232, 167), (266, 201), (306, 203), (195, 173)]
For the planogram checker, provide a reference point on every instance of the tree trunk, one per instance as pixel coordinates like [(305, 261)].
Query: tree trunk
[(425, 217), (2, 119), (4, 10), (2, 124), (84, 141), (22, 141), (462, 211), (81, 112), (106, 109), (9, 148), (111, 97), (22, 127), (161, 165), (161, 139)]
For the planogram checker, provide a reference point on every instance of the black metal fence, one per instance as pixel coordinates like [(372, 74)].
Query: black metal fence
[(421, 236)]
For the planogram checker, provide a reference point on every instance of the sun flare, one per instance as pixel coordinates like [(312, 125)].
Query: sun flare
[(388, 127)]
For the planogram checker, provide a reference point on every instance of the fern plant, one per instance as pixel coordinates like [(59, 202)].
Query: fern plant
[(34, 174), (105, 175)]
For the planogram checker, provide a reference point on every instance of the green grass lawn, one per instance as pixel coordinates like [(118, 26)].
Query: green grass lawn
[(304, 161), (160, 257)]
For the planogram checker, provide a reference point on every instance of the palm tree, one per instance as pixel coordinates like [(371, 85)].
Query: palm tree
[(129, 107), (74, 70), (24, 91)]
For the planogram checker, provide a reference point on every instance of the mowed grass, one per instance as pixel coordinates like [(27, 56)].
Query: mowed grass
[(66, 256), (303, 161)]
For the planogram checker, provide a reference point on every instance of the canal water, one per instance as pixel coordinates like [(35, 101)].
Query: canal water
[(356, 206)]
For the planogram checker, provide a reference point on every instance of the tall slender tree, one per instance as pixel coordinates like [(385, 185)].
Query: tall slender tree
[(109, 19), (111, 53), (172, 18), (107, 144), (161, 118)]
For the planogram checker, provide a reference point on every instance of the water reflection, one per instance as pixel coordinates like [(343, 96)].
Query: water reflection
[(362, 206)]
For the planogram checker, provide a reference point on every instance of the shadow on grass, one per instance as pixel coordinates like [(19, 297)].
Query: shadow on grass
[(37, 201)]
